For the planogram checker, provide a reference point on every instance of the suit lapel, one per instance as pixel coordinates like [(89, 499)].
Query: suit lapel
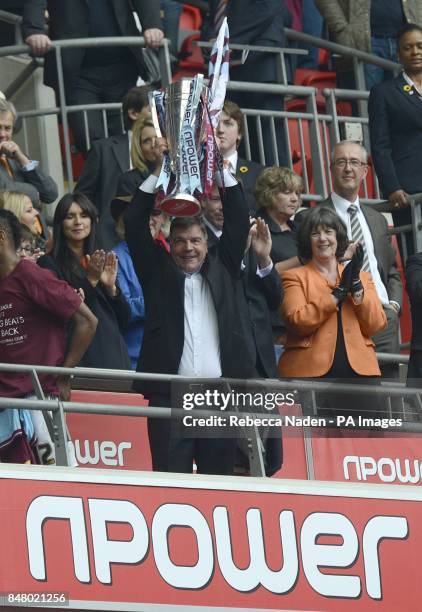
[(409, 93), (120, 147)]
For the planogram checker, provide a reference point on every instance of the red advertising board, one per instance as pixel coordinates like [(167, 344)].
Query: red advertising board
[(143, 541), (388, 458)]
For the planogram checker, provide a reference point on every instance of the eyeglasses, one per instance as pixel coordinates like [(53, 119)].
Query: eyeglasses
[(354, 163), (26, 249)]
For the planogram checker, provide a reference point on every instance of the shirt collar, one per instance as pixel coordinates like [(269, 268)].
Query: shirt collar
[(217, 233), (342, 204), (233, 161)]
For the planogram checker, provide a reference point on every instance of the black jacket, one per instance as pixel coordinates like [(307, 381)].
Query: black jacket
[(69, 19), (163, 286), (395, 124), (107, 349), (107, 160), (257, 298)]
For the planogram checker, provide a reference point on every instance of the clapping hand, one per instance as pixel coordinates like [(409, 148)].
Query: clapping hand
[(109, 273), (261, 242), (356, 267), (343, 288), (95, 266)]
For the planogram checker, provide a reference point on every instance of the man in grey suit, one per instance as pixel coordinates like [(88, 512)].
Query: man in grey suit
[(348, 170), (17, 171), (107, 160)]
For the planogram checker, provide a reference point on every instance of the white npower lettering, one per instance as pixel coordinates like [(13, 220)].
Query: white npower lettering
[(385, 468), (49, 507), (106, 452), (328, 555), (106, 552), (281, 580), (257, 572), (377, 529), (180, 576)]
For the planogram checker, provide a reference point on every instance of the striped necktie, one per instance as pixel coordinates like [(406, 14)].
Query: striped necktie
[(357, 234), (220, 13)]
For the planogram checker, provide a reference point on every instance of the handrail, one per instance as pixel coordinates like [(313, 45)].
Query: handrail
[(10, 18), (368, 58)]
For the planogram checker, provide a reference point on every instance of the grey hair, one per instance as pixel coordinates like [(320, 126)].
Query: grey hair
[(349, 142), (8, 107)]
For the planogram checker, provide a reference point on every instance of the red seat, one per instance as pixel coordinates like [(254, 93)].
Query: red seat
[(76, 157), (190, 19)]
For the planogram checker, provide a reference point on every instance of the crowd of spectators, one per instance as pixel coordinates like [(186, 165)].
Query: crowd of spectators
[(117, 284)]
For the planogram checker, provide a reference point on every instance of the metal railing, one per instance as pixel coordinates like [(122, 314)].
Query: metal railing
[(305, 391)]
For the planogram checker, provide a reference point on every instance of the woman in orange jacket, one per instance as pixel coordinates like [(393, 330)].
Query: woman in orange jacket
[(330, 311)]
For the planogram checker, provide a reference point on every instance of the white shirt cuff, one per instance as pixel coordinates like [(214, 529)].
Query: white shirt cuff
[(263, 272), (149, 185), (30, 166)]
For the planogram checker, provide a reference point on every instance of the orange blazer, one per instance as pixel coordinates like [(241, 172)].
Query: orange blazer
[(310, 315)]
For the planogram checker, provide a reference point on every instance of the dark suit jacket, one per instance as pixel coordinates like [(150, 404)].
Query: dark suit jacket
[(163, 286), (395, 124), (247, 173), (107, 160), (384, 252), (414, 289), (35, 184), (69, 19), (256, 298), (257, 22)]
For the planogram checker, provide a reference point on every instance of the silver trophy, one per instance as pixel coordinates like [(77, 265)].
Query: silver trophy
[(179, 112)]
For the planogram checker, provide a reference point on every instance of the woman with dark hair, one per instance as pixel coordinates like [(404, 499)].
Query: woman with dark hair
[(330, 311), (92, 273), (395, 124)]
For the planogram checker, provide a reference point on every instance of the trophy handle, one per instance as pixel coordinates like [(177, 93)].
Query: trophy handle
[(154, 116)]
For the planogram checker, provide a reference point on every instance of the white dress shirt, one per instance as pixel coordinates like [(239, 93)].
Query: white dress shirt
[(341, 205), (232, 159), (201, 348)]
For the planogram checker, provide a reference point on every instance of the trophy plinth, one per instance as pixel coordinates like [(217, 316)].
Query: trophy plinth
[(181, 205)]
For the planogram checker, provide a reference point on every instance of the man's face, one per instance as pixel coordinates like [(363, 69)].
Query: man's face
[(348, 170), (189, 248), (213, 210), (228, 136), (6, 126)]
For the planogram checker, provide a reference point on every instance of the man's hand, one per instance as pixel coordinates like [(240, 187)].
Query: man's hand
[(160, 147), (39, 43), (63, 384), (399, 199), (12, 150), (261, 242), (109, 273), (153, 37)]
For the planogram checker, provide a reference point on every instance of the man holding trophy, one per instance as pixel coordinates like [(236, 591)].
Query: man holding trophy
[(192, 324)]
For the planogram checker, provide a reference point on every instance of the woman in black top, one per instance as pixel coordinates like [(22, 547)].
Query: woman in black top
[(93, 274)]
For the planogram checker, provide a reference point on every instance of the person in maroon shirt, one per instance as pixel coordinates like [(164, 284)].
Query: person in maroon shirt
[(34, 308)]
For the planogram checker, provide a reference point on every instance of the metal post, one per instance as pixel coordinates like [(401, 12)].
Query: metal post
[(316, 147), (63, 111), (59, 434), (165, 65)]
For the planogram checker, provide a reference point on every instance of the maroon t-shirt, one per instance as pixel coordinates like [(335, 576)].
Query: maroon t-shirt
[(34, 307)]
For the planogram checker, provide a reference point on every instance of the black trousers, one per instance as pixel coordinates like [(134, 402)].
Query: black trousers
[(95, 85), (174, 448)]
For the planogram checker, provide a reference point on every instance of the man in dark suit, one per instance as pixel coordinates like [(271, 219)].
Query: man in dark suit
[(92, 75), (107, 160), (348, 170), (229, 134), (192, 325), (17, 171), (254, 22)]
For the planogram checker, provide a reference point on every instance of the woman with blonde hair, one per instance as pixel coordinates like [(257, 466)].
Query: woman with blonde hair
[(21, 206), (278, 193)]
